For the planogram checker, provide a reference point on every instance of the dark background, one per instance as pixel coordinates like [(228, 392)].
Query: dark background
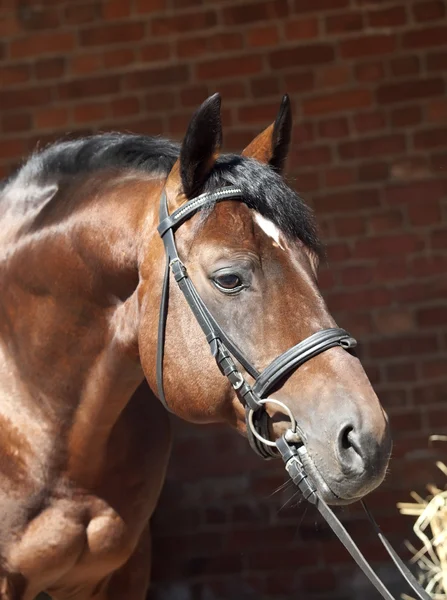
[(368, 86)]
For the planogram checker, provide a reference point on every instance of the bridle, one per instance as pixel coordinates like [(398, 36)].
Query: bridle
[(222, 347), (291, 446)]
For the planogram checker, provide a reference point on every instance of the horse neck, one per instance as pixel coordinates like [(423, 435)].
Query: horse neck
[(74, 278)]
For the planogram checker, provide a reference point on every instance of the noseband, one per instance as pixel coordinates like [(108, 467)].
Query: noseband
[(222, 347), (254, 397)]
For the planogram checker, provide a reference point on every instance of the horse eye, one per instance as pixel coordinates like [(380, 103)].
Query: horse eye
[(228, 282)]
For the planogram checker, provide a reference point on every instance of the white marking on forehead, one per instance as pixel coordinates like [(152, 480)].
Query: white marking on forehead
[(270, 229)]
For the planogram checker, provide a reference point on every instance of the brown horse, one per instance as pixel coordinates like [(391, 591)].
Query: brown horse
[(84, 439)]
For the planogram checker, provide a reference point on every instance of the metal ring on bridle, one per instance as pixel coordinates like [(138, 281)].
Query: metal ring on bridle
[(292, 427)]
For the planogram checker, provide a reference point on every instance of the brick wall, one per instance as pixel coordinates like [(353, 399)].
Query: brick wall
[(367, 80)]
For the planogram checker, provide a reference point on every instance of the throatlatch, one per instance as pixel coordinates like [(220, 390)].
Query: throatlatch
[(291, 447)]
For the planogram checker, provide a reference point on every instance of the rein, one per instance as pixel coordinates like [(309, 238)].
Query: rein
[(291, 446)]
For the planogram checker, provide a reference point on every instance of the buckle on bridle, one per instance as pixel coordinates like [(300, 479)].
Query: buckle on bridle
[(178, 269)]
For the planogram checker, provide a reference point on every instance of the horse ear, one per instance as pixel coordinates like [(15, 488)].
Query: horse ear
[(272, 145), (200, 146)]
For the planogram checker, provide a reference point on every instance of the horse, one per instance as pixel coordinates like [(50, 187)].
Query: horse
[(84, 438)]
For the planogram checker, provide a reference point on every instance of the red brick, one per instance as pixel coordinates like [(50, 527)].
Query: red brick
[(97, 86), (265, 86), (310, 54), (85, 64), (149, 6), (349, 21), (92, 111), (437, 111), (260, 113), (123, 107), (300, 82), (409, 90), (389, 245), (388, 17), (415, 292), (436, 61), (179, 24), (314, 155), (415, 192), (425, 212), (242, 14), (425, 38), (42, 43), (336, 102), (119, 58), (334, 75), (12, 149), (51, 118), (14, 74), (301, 29), (390, 270), (160, 76), (403, 371), (404, 345), (405, 116), (333, 128), (338, 252), (371, 71), (156, 52), (430, 138), (193, 95), (438, 161), (410, 168), (262, 36), (439, 239), (215, 44), (429, 11), (303, 133), (112, 34), (347, 201), (339, 177), (116, 9), (308, 182), (368, 147), (36, 18), (369, 121), (301, 6), (26, 98), (348, 226), (426, 266), (161, 101), (406, 65), (232, 90), (434, 316), (16, 122), (388, 220), (366, 298), (376, 171), (367, 45), (356, 275), (79, 13), (229, 67)]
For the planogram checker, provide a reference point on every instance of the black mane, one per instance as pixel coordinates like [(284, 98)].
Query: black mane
[(263, 190)]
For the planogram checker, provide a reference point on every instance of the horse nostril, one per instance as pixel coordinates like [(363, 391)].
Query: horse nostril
[(349, 451), (345, 442)]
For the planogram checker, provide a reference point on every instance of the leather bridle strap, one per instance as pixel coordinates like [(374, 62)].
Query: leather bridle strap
[(295, 357), (292, 458)]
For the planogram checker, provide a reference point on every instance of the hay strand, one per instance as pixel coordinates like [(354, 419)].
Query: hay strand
[(431, 529)]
